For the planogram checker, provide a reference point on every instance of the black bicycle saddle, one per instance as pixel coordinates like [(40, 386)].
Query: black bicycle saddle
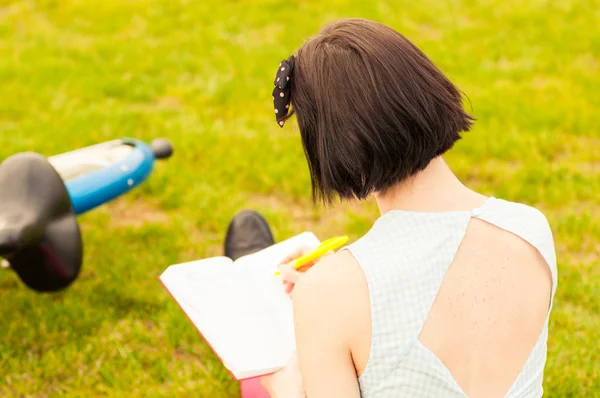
[(39, 234)]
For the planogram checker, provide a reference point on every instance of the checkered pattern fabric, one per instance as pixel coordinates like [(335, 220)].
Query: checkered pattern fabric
[(405, 257)]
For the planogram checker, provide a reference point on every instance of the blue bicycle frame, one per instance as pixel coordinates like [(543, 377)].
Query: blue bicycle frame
[(100, 173)]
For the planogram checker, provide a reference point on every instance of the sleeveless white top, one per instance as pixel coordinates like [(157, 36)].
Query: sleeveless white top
[(405, 256)]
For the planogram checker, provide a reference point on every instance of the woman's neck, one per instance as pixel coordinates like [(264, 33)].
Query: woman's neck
[(435, 189)]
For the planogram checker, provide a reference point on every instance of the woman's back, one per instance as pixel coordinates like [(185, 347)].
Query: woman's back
[(459, 302), (431, 302)]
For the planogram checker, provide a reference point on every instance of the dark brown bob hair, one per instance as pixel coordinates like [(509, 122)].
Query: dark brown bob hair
[(372, 109)]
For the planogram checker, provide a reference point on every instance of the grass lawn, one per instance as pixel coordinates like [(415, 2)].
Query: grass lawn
[(75, 73)]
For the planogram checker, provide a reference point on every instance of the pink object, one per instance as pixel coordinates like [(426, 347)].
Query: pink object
[(251, 388)]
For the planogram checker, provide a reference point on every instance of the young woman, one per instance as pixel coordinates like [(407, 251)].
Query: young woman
[(449, 293)]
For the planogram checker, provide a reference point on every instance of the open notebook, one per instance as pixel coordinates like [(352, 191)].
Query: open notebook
[(240, 307)]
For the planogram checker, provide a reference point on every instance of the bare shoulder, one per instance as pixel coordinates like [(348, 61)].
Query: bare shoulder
[(334, 292), (335, 275)]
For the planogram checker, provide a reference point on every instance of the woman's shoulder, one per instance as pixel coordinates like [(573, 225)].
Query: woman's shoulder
[(525, 220), (335, 275), (335, 290), (519, 210)]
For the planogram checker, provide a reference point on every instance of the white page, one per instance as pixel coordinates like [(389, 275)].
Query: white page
[(228, 316), (241, 310), (208, 266)]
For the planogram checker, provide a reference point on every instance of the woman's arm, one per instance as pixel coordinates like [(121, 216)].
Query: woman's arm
[(324, 319)]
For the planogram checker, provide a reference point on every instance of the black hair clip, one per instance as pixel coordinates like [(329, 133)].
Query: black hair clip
[(282, 92)]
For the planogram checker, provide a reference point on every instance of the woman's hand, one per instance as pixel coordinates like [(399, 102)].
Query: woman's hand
[(290, 275), (285, 383)]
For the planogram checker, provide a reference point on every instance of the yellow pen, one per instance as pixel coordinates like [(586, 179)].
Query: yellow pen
[(322, 249)]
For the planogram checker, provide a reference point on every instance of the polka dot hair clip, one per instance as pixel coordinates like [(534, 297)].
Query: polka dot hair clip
[(282, 91)]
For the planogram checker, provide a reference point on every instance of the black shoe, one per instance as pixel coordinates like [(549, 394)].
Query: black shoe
[(247, 233)]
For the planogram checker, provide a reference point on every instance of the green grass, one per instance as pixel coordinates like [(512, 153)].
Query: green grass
[(74, 73)]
